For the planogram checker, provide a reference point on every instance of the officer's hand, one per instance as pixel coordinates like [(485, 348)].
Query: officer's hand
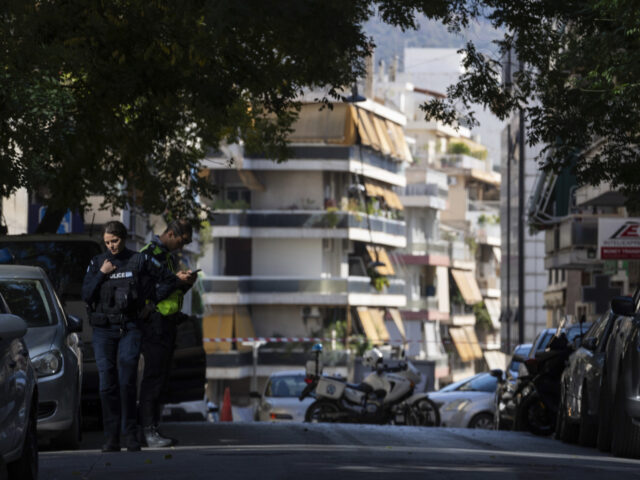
[(187, 276), (107, 267)]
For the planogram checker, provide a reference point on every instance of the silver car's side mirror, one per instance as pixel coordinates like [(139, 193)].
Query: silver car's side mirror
[(11, 327)]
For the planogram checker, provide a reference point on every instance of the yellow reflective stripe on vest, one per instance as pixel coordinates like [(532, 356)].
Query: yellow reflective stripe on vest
[(172, 304)]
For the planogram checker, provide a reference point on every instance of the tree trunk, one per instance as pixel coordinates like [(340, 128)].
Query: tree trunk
[(51, 221)]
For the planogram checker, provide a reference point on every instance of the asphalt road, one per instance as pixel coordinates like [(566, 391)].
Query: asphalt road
[(302, 451)]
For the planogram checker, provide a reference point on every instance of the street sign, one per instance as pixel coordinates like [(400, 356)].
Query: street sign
[(619, 238), (66, 223)]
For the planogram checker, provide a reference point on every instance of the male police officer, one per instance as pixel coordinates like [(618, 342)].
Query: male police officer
[(159, 334)]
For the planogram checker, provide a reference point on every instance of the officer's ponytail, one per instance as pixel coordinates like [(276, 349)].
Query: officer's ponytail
[(115, 228)]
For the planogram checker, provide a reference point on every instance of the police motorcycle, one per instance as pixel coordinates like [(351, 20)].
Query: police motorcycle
[(386, 395)]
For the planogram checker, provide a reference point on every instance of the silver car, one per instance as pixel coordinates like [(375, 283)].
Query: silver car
[(468, 403), (54, 350), (279, 401)]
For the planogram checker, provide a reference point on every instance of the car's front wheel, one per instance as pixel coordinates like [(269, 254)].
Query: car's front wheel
[(26, 467), (483, 421)]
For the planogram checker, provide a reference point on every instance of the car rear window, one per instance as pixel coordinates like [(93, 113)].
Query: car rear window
[(27, 298), (480, 383), (65, 262), (285, 386)]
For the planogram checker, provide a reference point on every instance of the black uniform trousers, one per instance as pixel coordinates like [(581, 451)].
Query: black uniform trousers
[(158, 344)]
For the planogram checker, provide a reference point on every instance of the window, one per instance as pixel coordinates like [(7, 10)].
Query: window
[(27, 299), (285, 386), (480, 383)]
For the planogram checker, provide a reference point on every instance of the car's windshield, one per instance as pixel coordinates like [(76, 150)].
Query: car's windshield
[(65, 262), (285, 386), (27, 298), (521, 351)]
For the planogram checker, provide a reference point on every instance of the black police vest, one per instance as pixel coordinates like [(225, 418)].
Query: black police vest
[(119, 297)]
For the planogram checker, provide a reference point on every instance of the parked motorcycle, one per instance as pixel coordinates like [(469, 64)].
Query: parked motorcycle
[(386, 395), (539, 397)]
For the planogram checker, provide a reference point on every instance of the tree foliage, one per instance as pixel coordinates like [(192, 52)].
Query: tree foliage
[(123, 98), (575, 73)]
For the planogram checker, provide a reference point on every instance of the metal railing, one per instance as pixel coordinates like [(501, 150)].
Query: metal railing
[(317, 219), (279, 285)]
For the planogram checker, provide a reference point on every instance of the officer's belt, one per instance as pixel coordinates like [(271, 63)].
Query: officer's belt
[(111, 318)]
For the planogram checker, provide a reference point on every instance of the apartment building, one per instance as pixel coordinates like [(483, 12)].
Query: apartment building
[(303, 248), (460, 220)]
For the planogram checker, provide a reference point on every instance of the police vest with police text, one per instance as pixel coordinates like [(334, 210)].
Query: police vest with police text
[(119, 300)]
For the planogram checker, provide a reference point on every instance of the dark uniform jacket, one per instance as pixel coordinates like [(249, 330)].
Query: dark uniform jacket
[(122, 295)]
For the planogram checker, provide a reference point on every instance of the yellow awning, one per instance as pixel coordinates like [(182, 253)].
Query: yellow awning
[(397, 320), (470, 332), (315, 125), (372, 190), (369, 328), (493, 307), (393, 200), (377, 318), (495, 359), (491, 178), (243, 327), (379, 254), (403, 147), (383, 136), (367, 131), (461, 343), (250, 181), (219, 324), (467, 285), (396, 145)]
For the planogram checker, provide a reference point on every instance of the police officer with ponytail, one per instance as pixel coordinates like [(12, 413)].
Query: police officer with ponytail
[(117, 288), (159, 336)]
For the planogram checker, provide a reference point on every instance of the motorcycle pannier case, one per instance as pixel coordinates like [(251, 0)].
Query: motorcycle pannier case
[(330, 388)]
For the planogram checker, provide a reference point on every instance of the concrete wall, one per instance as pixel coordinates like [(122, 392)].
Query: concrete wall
[(287, 257), (286, 190)]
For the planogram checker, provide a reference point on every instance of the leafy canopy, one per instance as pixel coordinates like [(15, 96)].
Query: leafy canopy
[(122, 98), (576, 75)]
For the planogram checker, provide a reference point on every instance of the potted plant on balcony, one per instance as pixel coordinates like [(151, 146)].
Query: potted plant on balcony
[(378, 280)]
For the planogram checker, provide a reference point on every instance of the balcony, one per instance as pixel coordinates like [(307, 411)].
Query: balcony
[(301, 291), (429, 195), (324, 157), (309, 224), (458, 160), (488, 234), (572, 244)]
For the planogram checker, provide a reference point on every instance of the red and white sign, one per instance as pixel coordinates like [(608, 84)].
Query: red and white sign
[(619, 238)]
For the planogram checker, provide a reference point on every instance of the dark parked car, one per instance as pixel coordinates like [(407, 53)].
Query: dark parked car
[(580, 385), (619, 402), (18, 400), (503, 398)]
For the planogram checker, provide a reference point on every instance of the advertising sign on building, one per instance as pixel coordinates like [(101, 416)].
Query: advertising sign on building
[(619, 238)]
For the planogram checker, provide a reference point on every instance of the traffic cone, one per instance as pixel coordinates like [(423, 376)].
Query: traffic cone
[(225, 413)]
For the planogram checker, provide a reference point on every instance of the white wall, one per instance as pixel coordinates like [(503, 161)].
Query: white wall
[(15, 210), (283, 190), (287, 257)]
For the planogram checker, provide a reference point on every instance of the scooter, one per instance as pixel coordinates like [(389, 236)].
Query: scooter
[(386, 395), (539, 398)]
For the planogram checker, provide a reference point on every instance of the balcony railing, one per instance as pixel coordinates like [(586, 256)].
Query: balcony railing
[(433, 247), (279, 285), (309, 219), (458, 160), (423, 303)]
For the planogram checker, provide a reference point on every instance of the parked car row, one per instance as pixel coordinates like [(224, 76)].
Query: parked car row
[(597, 386)]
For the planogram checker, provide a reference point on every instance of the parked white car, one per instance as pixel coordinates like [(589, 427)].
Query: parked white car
[(54, 350), (467, 403), (279, 401)]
